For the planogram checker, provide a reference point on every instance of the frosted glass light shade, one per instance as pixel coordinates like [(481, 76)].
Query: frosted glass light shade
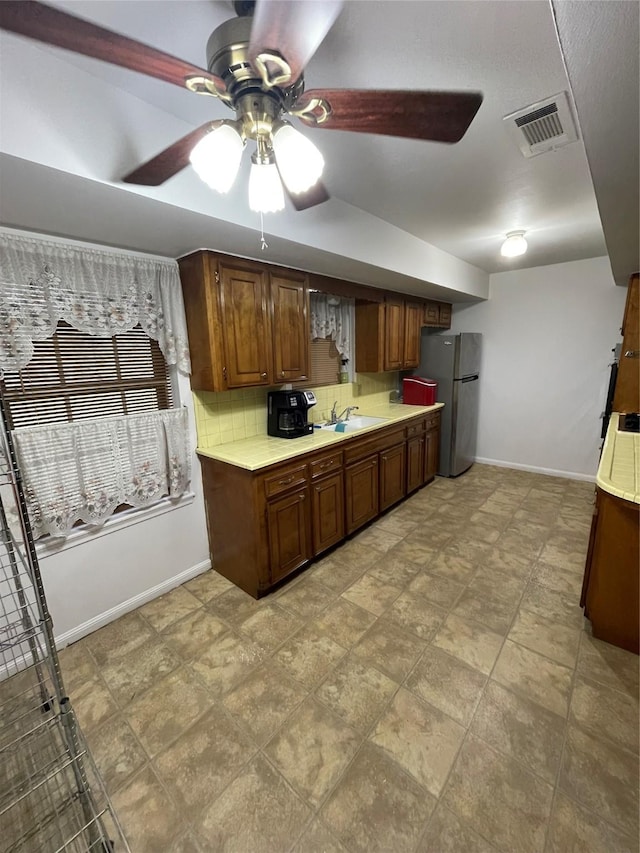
[(216, 158), (265, 188), (514, 245), (299, 161)]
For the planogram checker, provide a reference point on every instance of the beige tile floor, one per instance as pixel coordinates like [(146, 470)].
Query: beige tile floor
[(430, 686)]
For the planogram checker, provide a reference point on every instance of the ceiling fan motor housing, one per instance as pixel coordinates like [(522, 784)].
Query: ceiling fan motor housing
[(228, 58)]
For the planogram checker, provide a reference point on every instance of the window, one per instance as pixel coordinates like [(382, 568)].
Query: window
[(73, 375), (325, 362)]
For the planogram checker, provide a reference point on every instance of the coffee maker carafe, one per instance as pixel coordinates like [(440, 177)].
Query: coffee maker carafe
[(287, 413)]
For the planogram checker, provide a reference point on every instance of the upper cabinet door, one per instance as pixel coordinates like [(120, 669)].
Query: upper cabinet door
[(413, 312), (247, 336), (289, 297), (394, 334)]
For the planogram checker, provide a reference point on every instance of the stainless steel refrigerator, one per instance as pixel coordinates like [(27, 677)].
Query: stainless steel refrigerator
[(454, 362)]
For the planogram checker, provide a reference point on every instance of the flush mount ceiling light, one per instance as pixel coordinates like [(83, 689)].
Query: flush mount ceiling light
[(514, 245), (255, 66)]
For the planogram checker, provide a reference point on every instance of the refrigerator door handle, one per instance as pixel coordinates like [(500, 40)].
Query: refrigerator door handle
[(470, 378)]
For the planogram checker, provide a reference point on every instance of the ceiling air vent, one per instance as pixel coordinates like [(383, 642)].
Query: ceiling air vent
[(543, 126)]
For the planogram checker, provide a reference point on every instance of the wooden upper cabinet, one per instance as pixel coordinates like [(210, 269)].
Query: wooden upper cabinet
[(437, 315), (444, 315), (394, 334), (245, 322), (388, 334), (413, 312), (626, 396), (290, 325)]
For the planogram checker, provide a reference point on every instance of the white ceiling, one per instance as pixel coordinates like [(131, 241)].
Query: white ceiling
[(415, 216)]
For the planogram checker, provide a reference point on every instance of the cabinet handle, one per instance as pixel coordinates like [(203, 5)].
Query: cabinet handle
[(286, 482), (282, 373), (302, 377), (300, 497), (384, 458), (263, 375), (632, 353)]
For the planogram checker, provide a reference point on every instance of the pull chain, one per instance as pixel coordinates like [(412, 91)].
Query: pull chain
[(263, 243)]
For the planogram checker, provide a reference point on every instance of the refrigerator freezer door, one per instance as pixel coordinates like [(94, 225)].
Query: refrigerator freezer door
[(464, 427), (467, 354), (437, 356)]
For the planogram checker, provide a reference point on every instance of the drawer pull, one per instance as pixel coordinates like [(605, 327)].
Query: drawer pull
[(286, 482), (327, 464), (263, 375), (632, 353), (300, 497)]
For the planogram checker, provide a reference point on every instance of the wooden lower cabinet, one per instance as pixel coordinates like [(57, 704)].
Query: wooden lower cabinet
[(263, 525), (392, 476), (610, 588), (415, 463), (289, 534), (361, 492), (431, 453), (327, 512)]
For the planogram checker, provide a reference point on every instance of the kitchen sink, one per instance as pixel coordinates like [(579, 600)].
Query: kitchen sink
[(354, 423)]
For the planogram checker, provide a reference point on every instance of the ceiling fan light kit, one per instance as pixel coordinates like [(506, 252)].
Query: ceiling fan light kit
[(255, 66), (514, 245), (216, 158), (299, 161), (265, 187)]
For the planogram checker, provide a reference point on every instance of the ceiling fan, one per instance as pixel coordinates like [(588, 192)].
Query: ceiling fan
[(255, 66)]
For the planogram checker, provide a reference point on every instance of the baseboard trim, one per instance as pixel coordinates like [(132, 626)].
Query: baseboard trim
[(550, 472), (113, 613)]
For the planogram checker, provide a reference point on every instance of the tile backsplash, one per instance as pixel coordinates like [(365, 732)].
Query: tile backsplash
[(233, 415)]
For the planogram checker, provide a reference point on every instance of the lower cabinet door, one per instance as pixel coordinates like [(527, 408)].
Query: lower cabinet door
[(327, 512), (392, 475), (431, 453), (289, 533), (415, 463), (361, 492)]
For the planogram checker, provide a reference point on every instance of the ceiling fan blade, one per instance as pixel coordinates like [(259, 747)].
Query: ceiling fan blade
[(53, 26), (317, 194), (172, 160), (436, 116), (293, 30)]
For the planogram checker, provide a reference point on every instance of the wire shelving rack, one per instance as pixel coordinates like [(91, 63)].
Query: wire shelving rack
[(51, 796)]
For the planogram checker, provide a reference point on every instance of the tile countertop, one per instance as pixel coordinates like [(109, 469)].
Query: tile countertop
[(619, 469), (260, 451)]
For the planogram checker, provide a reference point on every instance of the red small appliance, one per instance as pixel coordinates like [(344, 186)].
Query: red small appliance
[(418, 391)]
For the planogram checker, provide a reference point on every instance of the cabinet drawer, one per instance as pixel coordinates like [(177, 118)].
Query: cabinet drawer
[(287, 478), (415, 429), (361, 448), (326, 464), (432, 421)]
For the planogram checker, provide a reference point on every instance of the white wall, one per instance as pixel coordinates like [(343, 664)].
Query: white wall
[(548, 334), (98, 576)]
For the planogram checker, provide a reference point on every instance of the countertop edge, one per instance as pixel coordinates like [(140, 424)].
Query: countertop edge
[(604, 480), (224, 452)]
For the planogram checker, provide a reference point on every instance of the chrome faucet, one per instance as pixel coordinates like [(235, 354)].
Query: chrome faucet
[(337, 419)]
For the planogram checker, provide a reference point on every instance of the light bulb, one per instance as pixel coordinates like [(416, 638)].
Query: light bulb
[(514, 245), (299, 161), (265, 188), (216, 158)]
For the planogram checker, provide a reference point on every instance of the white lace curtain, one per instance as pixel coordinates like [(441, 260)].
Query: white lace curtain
[(100, 292), (83, 470), (331, 318)]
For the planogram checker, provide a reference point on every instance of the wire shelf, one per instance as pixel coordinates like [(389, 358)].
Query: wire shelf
[(51, 796)]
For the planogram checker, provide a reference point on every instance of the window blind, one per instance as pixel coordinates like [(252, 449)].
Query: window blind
[(74, 375)]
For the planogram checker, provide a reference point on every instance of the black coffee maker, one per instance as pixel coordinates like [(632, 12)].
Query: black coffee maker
[(287, 413)]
